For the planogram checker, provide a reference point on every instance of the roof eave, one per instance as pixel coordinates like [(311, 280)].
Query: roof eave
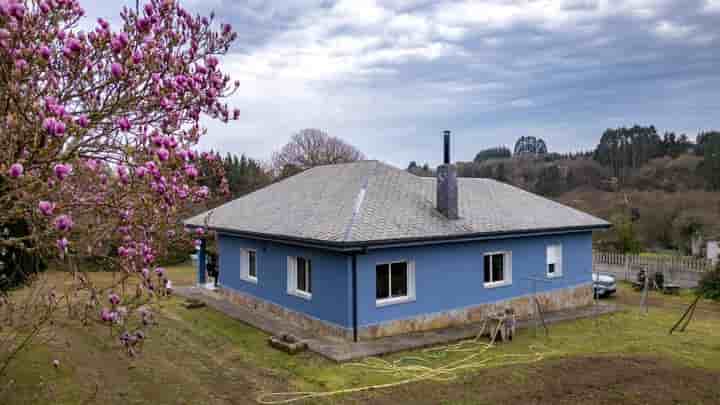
[(360, 246)]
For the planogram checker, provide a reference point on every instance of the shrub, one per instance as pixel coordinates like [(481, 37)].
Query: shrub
[(709, 286)]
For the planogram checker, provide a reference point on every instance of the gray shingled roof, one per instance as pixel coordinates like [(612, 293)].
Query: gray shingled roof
[(372, 201)]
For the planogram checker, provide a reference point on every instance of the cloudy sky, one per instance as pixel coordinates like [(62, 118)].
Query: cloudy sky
[(389, 76)]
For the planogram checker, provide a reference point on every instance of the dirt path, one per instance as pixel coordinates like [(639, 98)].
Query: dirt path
[(578, 380)]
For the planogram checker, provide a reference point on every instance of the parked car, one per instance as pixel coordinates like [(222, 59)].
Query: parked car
[(604, 284)]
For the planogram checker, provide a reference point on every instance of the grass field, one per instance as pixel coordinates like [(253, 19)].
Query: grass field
[(202, 357)]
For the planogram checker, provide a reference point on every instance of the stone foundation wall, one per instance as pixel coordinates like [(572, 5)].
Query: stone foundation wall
[(556, 300), (297, 319)]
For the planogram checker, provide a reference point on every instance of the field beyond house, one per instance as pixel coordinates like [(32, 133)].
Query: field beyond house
[(200, 356)]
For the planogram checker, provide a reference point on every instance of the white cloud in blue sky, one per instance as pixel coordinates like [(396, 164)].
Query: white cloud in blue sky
[(389, 76)]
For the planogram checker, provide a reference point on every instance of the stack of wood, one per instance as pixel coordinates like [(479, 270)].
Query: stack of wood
[(501, 325)]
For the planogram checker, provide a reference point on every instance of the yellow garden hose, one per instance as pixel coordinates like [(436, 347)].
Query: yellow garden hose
[(411, 368)]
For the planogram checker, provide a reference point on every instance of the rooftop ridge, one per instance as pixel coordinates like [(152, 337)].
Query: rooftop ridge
[(359, 199)]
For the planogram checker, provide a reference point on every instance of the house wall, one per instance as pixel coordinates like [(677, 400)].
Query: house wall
[(331, 279), (450, 278)]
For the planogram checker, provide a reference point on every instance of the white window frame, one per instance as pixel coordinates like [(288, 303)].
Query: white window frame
[(410, 297), (507, 270), (554, 257), (245, 265), (292, 278)]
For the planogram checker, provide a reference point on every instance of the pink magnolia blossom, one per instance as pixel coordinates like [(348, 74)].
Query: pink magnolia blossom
[(117, 70), (62, 170), (54, 126), (91, 164), (20, 64), (62, 244), (211, 62), (63, 223), (124, 124), (83, 121), (159, 271), (72, 48), (162, 154), (16, 170), (152, 167), (46, 208), (114, 299), (108, 315), (137, 57), (148, 258), (123, 174), (44, 52), (191, 171), (202, 192)]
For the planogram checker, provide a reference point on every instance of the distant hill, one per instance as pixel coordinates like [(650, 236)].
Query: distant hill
[(671, 196)]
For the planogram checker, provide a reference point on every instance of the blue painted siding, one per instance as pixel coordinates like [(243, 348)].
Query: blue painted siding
[(331, 277), (450, 276)]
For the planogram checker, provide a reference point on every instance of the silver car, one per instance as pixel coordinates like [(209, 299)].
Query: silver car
[(604, 284)]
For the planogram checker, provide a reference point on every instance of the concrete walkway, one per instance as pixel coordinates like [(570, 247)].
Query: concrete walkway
[(342, 350)]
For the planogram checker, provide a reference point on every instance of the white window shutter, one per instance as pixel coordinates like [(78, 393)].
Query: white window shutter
[(550, 254), (244, 264), (291, 274), (558, 256), (508, 270), (411, 280), (554, 256)]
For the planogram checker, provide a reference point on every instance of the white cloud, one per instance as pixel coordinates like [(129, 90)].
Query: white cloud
[(397, 72), (522, 103), (671, 30), (712, 6)]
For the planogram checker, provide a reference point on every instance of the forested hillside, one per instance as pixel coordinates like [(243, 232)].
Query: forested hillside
[(659, 191)]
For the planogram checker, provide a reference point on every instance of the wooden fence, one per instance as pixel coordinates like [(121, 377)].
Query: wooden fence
[(676, 263), (684, 271)]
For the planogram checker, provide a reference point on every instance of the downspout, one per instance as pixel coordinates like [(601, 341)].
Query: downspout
[(354, 297), (202, 259)]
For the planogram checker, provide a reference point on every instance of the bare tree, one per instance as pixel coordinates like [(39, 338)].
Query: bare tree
[(313, 147)]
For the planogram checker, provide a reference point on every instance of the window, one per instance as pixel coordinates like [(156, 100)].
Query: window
[(248, 265), (394, 283), (554, 260), (300, 277), (497, 269)]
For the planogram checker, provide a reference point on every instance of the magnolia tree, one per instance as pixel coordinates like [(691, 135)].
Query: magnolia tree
[(98, 129)]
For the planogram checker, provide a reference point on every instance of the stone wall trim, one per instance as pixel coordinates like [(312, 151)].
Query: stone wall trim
[(555, 300), (550, 301), (297, 319)]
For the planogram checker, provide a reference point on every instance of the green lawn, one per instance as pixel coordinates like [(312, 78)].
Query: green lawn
[(201, 356)]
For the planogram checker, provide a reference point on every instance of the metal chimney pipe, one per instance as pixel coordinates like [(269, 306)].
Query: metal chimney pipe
[(446, 155), (447, 184)]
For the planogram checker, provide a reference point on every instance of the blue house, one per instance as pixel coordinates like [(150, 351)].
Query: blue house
[(364, 250)]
